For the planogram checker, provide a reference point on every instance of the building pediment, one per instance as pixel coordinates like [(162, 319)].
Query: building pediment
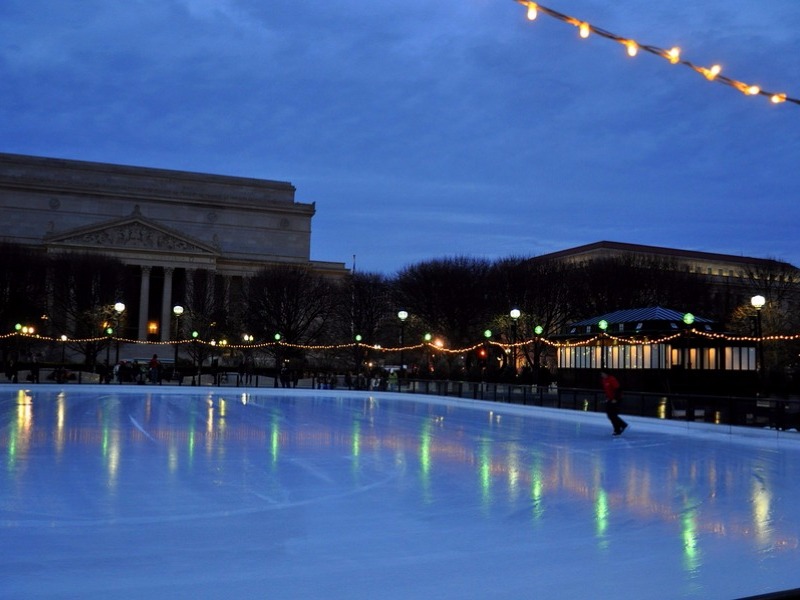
[(133, 233)]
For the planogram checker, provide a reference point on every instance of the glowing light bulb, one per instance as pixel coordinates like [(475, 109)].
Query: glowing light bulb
[(748, 90), (711, 73), (633, 47), (674, 55), (532, 12), (778, 98), (583, 30)]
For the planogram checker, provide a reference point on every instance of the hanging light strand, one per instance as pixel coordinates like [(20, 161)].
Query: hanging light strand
[(673, 55), (539, 339)]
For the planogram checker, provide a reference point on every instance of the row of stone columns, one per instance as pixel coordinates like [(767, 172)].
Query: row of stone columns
[(166, 303), (166, 300)]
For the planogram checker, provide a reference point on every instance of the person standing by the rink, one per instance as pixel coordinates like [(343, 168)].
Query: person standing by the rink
[(155, 370), (613, 397)]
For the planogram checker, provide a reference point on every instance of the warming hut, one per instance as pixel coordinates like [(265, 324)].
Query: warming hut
[(656, 349)]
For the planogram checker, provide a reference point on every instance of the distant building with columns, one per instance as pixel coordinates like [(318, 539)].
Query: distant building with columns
[(161, 224)]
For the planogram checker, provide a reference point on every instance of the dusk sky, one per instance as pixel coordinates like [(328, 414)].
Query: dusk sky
[(428, 129)]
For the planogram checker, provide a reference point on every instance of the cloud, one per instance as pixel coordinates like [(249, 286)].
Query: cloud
[(424, 127)]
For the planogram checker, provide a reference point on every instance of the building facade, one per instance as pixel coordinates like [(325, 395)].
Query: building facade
[(733, 280), (161, 224)]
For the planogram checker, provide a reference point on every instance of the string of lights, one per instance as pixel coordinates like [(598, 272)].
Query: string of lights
[(673, 55), (432, 346)]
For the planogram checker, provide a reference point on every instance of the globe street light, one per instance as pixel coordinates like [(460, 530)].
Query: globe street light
[(486, 351), (603, 325), (514, 314), (758, 303), (429, 359), (686, 353), (119, 308), (277, 357), (109, 334), (194, 350), (61, 376), (177, 310), (402, 315)]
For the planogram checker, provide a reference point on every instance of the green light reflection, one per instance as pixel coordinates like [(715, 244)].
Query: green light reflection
[(356, 439), (274, 439), (485, 472), (191, 442), (425, 441), (425, 449), (691, 554), (12, 446), (601, 513), (105, 438), (537, 490)]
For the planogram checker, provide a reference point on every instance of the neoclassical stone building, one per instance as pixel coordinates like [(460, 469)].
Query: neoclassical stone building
[(733, 280), (161, 224)]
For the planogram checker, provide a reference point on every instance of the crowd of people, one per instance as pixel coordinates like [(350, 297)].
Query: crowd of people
[(134, 371)]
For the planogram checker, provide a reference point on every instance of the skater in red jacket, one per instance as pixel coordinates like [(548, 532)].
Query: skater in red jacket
[(613, 397)]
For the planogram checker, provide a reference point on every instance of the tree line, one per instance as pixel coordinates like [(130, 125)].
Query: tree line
[(456, 299)]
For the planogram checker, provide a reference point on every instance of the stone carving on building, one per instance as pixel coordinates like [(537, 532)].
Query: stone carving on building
[(135, 235), (131, 234)]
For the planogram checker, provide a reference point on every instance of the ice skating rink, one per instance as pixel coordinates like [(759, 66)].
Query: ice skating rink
[(149, 492)]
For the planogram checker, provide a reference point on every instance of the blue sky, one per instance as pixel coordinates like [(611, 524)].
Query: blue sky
[(428, 129)]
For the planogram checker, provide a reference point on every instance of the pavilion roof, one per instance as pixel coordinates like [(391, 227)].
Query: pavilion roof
[(639, 315)]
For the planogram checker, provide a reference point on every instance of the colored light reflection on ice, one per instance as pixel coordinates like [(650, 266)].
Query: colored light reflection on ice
[(528, 479)]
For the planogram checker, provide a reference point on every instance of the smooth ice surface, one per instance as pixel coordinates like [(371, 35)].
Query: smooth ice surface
[(114, 492)]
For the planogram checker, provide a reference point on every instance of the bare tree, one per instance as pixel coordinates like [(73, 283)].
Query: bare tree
[(779, 283), (293, 302), (22, 285), (542, 291), (631, 281), (83, 289), (22, 299), (450, 296), (206, 312), (364, 309)]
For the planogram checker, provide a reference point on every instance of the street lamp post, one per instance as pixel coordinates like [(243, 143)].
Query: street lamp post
[(688, 320), (429, 359), (60, 378), (277, 357), (758, 303), (108, 371), (245, 368), (358, 360), (119, 308), (26, 330), (514, 314), (402, 315), (196, 352), (603, 325), (487, 353), (177, 310), (63, 350)]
